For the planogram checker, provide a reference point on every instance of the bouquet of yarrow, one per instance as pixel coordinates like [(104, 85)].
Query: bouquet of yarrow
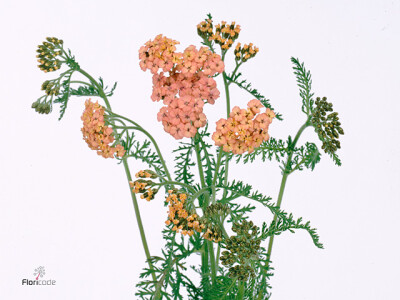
[(204, 216)]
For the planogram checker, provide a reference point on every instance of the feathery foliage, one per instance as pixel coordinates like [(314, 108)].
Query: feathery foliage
[(183, 162), (247, 87), (65, 94), (304, 82), (271, 149), (142, 151), (289, 224), (169, 270)]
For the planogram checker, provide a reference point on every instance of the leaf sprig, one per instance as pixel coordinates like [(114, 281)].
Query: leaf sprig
[(247, 87)]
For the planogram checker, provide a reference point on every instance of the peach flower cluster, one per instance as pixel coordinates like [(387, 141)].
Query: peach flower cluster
[(245, 129), (178, 215), (183, 81), (96, 133)]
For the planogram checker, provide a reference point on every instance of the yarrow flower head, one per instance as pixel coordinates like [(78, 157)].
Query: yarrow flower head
[(327, 125), (48, 54), (242, 250), (246, 52), (245, 129), (211, 218), (145, 188), (181, 216), (183, 81), (97, 134), (205, 28), (146, 174), (225, 34), (158, 54), (183, 220)]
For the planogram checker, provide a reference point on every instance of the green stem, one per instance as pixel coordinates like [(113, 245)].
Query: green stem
[(129, 177), (145, 132), (240, 294), (218, 255), (177, 183), (99, 88), (138, 218), (221, 225), (212, 262), (204, 264), (217, 166), (298, 165), (228, 101), (234, 71), (81, 82), (285, 175), (228, 111), (199, 164), (205, 254), (200, 192)]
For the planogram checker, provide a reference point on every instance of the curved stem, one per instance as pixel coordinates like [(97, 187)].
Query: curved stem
[(199, 193), (285, 175), (81, 82), (138, 218), (124, 118), (129, 177), (124, 127), (177, 183), (141, 129), (99, 88)]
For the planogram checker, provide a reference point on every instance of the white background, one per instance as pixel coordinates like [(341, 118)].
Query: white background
[(69, 210)]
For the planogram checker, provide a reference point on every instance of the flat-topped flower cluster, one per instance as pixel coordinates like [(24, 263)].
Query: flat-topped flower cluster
[(245, 130), (187, 86)]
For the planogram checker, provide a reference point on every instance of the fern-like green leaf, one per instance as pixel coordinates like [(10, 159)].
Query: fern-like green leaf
[(304, 82), (247, 87)]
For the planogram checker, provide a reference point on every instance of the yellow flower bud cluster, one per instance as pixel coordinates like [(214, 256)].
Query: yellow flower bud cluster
[(225, 34), (178, 215), (144, 187), (48, 53), (246, 52), (213, 234), (205, 29), (146, 174)]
